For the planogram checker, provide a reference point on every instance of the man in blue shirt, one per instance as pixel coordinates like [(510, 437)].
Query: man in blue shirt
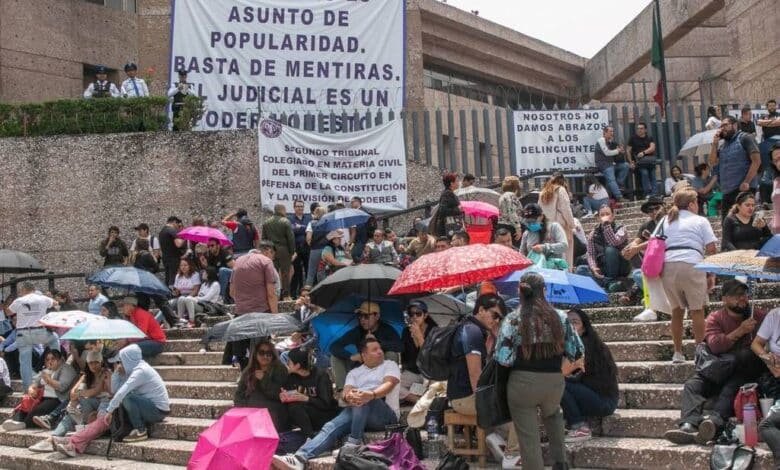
[(96, 299), (299, 222), (738, 158)]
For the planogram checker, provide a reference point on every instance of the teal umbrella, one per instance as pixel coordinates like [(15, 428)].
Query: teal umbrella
[(104, 329)]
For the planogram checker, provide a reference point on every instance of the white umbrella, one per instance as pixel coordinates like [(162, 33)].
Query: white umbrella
[(698, 144), (475, 193), (68, 319)]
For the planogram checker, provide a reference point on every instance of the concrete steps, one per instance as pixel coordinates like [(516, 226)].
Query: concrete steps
[(19, 458)]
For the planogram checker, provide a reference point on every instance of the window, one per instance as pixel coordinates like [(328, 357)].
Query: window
[(121, 5)]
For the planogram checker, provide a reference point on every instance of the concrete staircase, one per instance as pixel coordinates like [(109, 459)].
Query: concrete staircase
[(201, 390)]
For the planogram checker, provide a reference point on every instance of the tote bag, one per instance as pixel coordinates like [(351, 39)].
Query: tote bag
[(655, 253)]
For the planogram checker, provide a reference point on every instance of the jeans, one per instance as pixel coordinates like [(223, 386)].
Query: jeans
[(580, 402), (309, 418), (25, 340), (636, 275), (354, 420), (300, 270), (141, 411), (223, 275), (593, 205), (615, 176), (314, 261), (769, 429), (150, 348), (647, 175), (615, 265)]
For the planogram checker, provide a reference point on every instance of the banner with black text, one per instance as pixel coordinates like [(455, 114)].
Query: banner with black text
[(324, 168)]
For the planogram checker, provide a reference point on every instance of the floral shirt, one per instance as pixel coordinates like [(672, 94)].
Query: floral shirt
[(509, 340), (509, 209)]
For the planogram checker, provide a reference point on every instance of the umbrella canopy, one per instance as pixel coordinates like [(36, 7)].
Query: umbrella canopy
[(253, 325), (68, 319), (444, 309), (771, 248), (342, 218), (201, 234), (458, 266), (367, 280), (475, 193), (740, 263), (336, 321), (698, 144), (132, 279), (104, 329), (563, 287), (242, 439), (479, 209), (18, 262)]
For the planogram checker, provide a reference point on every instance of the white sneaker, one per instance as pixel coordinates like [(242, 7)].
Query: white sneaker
[(46, 445), (646, 315), (11, 425), (496, 444), (678, 358), (511, 463), (287, 462)]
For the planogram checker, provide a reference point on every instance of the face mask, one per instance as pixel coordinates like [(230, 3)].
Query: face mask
[(534, 226), (744, 311)]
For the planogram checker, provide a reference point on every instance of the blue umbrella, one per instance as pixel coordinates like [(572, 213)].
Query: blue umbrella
[(132, 279), (336, 321), (104, 329), (771, 248), (563, 287), (342, 218)]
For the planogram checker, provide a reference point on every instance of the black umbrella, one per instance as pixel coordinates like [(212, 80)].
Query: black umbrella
[(365, 280), (18, 262), (251, 326)]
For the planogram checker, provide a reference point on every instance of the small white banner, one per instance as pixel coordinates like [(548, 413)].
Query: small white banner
[(324, 168), (557, 140)]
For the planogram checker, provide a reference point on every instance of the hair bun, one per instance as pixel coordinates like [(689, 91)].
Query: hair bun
[(525, 290)]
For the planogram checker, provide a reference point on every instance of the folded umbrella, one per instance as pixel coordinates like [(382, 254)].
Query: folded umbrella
[(241, 439), (563, 287), (131, 279), (253, 325), (18, 262), (342, 218), (458, 266), (68, 319), (475, 193), (479, 209), (201, 234), (367, 280), (104, 329)]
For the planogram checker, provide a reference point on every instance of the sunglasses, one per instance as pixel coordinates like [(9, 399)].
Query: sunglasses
[(416, 313), (265, 352)]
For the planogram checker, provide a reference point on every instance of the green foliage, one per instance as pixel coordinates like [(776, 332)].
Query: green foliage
[(190, 113), (94, 116)]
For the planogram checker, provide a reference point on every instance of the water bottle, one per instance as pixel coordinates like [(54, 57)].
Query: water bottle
[(234, 362), (433, 445), (751, 428)]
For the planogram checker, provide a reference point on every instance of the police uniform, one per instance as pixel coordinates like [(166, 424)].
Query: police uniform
[(101, 88), (134, 87), (177, 92)]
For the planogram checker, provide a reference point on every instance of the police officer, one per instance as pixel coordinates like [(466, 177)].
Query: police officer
[(133, 87), (101, 87), (178, 92)]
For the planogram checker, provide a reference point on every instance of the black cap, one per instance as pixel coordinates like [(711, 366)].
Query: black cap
[(733, 287), (141, 226), (173, 218), (130, 66), (652, 203), (100, 69), (419, 304), (532, 211), (182, 72)]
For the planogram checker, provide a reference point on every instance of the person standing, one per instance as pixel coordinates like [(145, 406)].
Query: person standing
[(746, 123), (142, 232), (510, 208), (611, 162), (359, 233), (278, 230), (96, 299), (299, 221), (641, 152), (172, 248), (134, 87), (738, 158), (101, 87), (713, 118), (770, 132), (449, 216), (556, 206), (30, 307), (245, 234), (317, 240), (177, 93), (113, 249)]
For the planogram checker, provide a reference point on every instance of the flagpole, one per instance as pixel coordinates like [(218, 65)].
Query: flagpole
[(664, 84), (663, 57)]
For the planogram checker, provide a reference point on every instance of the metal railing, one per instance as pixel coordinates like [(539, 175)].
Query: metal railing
[(50, 277)]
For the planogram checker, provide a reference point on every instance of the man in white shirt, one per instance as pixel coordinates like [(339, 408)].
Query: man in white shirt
[(371, 392), (29, 308), (134, 87), (101, 87), (96, 299)]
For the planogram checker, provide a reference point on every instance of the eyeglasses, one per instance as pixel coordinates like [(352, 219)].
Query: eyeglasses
[(298, 207), (265, 352)]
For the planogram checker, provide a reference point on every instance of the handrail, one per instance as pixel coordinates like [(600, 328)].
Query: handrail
[(49, 276)]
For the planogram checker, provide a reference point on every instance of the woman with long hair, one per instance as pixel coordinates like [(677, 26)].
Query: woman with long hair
[(597, 196), (689, 237), (591, 391), (261, 381), (742, 228), (556, 205), (534, 341), (713, 118), (448, 215), (542, 236), (510, 209), (420, 325), (675, 176), (189, 305)]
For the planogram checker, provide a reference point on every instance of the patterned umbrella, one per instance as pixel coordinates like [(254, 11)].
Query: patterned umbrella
[(741, 263), (479, 209), (68, 319), (458, 266)]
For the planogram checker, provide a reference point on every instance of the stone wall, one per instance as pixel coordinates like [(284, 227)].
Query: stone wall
[(58, 195)]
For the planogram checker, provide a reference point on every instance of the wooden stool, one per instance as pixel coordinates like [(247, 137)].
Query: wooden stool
[(452, 419)]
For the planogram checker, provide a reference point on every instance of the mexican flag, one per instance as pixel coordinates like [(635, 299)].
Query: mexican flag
[(657, 58)]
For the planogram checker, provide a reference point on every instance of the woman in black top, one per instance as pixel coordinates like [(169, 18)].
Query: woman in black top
[(594, 391), (448, 214), (420, 326), (260, 384), (741, 229), (308, 394)]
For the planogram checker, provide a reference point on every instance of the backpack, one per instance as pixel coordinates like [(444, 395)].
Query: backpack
[(435, 357), (119, 428), (213, 309), (361, 459)]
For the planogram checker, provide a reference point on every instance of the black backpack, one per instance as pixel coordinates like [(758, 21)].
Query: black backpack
[(119, 428), (361, 459), (435, 357), (213, 309)]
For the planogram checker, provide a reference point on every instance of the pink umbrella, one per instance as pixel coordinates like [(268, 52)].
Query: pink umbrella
[(243, 438), (202, 234), (479, 209)]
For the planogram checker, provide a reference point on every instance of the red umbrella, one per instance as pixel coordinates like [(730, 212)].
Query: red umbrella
[(458, 266)]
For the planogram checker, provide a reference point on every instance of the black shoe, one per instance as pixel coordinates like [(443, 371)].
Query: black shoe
[(685, 434), (707, 431)]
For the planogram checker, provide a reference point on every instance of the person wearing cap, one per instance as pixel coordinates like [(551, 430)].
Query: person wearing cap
[(245, 234), (541, 236), (728, 330), (142, 233), (370, 324), (653, 207), (177, 93), (333, 256), (101, 87), (308, 393), (134, 87), (172, 248), (113, 249), (152, 345), (420, 325)]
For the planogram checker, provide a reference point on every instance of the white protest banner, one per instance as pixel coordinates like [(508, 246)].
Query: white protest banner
[(289, 57), (557, 140), (296, 164)]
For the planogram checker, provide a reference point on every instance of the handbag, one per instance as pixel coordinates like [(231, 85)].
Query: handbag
[(713, 367), (732, 457), (451, 461), (398, 450), (491, 396), (412, 436), (361, 459), (655, 253)]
